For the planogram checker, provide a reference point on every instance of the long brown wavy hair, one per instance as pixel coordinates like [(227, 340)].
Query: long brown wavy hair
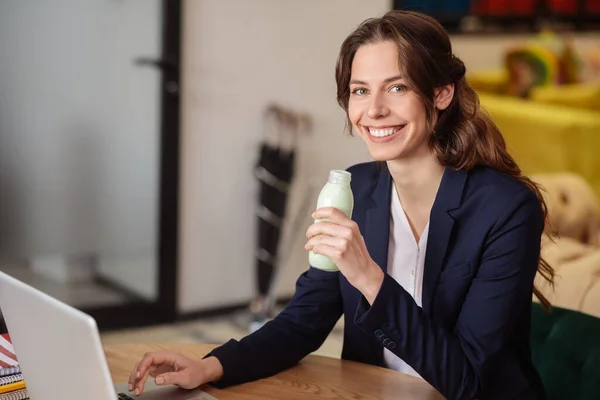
[(463, 136)]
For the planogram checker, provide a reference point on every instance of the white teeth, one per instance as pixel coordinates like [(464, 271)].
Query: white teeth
[(382, 132)]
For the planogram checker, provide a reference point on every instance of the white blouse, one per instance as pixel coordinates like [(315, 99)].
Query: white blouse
[(406, 262)]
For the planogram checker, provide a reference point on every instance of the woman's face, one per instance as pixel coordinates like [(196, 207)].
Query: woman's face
[(390, 118)]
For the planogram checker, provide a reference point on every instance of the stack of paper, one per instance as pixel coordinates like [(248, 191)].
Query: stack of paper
[(12, 385)]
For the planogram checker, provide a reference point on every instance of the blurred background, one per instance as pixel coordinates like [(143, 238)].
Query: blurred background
[(159, 160)]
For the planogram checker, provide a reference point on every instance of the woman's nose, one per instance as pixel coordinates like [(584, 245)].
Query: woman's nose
[(377, 107)]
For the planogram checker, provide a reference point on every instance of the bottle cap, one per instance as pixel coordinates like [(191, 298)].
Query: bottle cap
[(339, 176)]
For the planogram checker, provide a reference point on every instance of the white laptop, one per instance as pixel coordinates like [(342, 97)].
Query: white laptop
[(60, 352)]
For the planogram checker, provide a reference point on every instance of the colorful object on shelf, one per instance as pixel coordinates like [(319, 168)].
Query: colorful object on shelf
[(546, 60)]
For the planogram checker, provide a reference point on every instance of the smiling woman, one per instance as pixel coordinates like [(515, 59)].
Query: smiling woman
[(382, 109), (437, 261)]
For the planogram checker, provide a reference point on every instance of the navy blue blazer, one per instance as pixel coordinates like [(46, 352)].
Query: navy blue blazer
[(470, 339)]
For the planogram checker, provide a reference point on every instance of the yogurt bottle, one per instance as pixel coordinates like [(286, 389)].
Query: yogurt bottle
[(336, 193)]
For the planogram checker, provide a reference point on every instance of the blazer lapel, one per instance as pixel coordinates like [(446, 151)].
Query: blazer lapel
[(377, 220), (448, 198)]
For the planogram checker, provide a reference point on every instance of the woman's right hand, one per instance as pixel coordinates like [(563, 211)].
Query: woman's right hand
[(170, 368)]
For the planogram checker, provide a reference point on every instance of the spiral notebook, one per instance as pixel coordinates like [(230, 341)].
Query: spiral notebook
[(15, 369), (16, 395), (11, 383), (6, 380)]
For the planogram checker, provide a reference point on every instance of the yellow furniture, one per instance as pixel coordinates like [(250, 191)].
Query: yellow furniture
[(582, 95), (585, 96), (547, 138), (489, 81)]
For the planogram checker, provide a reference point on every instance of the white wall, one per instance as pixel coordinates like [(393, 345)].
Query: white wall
[(79, 133), (238, 56)]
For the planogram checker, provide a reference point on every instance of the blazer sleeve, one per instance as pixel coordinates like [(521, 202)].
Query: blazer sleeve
[(456, 362), (298, 330)]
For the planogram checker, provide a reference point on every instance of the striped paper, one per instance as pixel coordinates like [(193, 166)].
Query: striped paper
[(7, 352)]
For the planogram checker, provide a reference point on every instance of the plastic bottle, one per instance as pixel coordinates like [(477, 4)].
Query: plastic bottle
[(336, 193)]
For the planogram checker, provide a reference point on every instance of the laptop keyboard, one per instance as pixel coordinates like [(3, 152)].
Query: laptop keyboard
[(123, 396)]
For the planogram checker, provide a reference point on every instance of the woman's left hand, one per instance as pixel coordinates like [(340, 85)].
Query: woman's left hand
[(340, 239)]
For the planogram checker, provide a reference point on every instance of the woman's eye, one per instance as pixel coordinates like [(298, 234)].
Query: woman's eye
[(398, 88), (359, 91)]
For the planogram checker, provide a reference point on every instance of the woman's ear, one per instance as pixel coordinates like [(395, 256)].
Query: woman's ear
[(443, 96)]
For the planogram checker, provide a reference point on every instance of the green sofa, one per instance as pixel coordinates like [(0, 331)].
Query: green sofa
[(565, 347)]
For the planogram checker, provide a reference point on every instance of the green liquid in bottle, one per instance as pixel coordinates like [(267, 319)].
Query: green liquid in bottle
[(336, 193)]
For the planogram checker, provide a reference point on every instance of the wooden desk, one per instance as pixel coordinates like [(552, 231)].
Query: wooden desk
[(315, 377)]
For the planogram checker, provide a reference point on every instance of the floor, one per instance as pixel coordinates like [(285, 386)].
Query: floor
[(216, 330)]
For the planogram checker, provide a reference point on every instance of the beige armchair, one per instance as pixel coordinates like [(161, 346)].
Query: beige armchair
[(573, 244), (573, 208)]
